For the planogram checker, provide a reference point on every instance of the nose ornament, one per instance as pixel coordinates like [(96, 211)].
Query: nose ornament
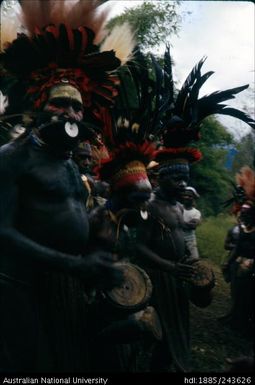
[(71, 129)]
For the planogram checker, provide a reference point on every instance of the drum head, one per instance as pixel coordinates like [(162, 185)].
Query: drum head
[(135, 291)]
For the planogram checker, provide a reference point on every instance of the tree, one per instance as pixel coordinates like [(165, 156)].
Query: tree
[(245, 152), (153, 22), (210, 176)]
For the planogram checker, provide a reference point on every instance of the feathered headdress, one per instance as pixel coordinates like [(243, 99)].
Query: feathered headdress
[(61, 43), (237, 199), (135, 123), (181, 122), (243, 190), (245, 178), (187, 110)]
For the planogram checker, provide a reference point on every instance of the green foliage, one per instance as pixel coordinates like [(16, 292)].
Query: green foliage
[(209, 176), (211, 236), (214, 133), (246, 153), (153, 22)]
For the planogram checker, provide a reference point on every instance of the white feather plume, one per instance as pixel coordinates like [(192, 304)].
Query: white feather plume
[(31, 14), (122, 41), (10, 22), (3, 103)]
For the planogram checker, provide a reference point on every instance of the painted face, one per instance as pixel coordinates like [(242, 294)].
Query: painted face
[(187, 198), (136, 200), (133, 185), (65, 101), (84, 162), (83, 157), (247, 215), (174, 183), (59, 123), (66, 108)]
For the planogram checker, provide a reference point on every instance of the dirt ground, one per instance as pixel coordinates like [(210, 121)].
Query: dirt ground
[(211, 343)]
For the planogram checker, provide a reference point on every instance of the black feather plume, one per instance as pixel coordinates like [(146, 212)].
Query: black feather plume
[(168, 73), (239, 115), (210, 104), (141, 101), (194, 75), (184, 114)]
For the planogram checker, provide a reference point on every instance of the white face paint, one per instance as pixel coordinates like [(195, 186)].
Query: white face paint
[(71, 129)]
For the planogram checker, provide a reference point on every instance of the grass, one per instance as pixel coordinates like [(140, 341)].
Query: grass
[(211, 342), (211, 235)]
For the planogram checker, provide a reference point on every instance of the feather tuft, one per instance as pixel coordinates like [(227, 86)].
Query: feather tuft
[(10, 24), (37, 14), (33, 15), (3, 103), (121, 40), (246, 179)]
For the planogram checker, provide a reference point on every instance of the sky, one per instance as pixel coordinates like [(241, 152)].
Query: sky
[(224, 32)]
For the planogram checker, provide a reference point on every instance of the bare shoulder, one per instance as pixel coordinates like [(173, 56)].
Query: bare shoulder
[(12, 153), (170, 215), (8, 159)]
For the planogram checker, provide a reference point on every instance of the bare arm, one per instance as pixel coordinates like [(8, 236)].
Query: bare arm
[(180, 270), (191, 225)]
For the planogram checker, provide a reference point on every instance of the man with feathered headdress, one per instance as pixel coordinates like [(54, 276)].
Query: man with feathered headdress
[(59, 75), (175, 274), (159, 243), (115, 225), (240, 264)]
